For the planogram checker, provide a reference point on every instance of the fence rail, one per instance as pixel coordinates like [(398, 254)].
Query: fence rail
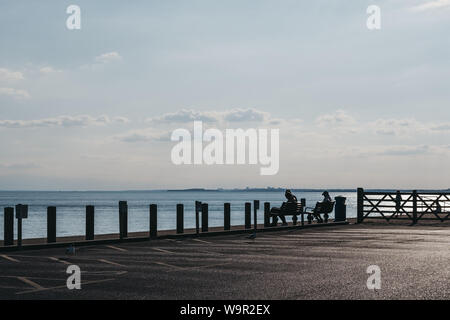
[(413, 206)]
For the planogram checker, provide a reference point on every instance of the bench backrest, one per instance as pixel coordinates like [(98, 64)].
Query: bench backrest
[(294, 207), (324, 207)]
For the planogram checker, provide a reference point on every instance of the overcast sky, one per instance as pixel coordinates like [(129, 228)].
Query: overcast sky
[(94, 108)]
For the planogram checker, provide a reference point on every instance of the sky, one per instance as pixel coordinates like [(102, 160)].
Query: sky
[(93, 109)]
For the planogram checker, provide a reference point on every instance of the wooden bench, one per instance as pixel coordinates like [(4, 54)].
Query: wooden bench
[(289, 209), (324, 208)]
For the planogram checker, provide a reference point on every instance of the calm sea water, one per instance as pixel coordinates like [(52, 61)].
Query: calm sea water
[(71, 208)]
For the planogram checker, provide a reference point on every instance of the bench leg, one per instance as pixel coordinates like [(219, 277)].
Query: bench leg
[(309, 218), (294, 220), (325, 217), (274, 221)]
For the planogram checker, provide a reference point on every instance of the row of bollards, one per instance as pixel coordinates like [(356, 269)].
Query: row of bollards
[(201, 222)]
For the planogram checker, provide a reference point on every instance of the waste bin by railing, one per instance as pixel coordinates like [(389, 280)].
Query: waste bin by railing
[(340, 209)]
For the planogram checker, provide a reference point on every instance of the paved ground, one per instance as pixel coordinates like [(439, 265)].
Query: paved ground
[(325, 263)]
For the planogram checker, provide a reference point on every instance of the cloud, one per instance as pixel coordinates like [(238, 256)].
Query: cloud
[(144, 135), (19, 166), (186, 115), (245, 115), (8, 75), (398, 127), (230, 116), (48, 70), (338, 119), (108, 57), (406, 150), (15, 93), (440, 127), (63, 121), (431, 5)]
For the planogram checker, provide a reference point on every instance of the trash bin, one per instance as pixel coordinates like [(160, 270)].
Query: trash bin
[(340, 209)]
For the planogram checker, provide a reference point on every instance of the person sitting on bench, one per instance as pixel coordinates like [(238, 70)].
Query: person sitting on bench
[(326, 198), (290, 198)]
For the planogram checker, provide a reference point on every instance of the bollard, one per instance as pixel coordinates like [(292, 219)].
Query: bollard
[(180, 218), (255, 214), (226, 216), (248, 209), (360, 205), (303, 202), (266, 214), (204, 217), (21, 213), (8, 227), (123, 219), (90, 222), (153, 221), (198, 208), (51, 224)]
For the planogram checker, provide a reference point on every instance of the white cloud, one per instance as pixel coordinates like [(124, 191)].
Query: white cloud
[(440, 127), (244, 115), (15, 93), (8, 75), (231, 116), (63, 121), (48, 70), (338, 119), (431, 5), (144, 135), (108, 57)]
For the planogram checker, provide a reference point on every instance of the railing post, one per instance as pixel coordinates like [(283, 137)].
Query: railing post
[(266, 214), (204, 217), (303, 202), (51, 224), (248, 209), (414, 196), (123, 219), (8, 226), (153, 221), (198, 208), (21, 213), (226, 216), (90, 212), (180, 218), (255, 214), (360, 205)]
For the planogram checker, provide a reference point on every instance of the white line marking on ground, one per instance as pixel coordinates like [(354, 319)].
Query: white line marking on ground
[(31, 283), (203, 241), (163, 250), (58, 260), (110, 262), (117, 248), (62, 287), (8, 258), (168, 265)]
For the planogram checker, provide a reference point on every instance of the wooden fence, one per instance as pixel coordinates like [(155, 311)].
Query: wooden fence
[(413, 205)]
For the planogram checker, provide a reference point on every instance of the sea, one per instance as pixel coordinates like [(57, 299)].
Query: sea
[(71, 208)]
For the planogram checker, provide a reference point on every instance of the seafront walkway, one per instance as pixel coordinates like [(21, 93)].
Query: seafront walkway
[(313, 263)]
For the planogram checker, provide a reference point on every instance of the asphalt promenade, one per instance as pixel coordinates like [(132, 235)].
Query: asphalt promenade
[(317, 263)]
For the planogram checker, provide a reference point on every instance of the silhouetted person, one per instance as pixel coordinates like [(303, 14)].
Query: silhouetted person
[(290, 198), (326, 197), (398, 202), (438, 207)]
